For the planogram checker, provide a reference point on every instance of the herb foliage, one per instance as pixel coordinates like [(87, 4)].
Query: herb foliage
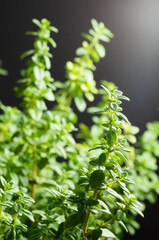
[(55, 188)]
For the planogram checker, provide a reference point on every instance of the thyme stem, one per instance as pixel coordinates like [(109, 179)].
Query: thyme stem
[(33, 192), (85, 226)]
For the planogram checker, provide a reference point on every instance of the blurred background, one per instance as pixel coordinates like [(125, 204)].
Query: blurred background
[(132, 60)]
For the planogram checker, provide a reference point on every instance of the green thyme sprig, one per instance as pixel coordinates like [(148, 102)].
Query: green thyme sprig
[(14, 208), (79, 73), (102, 196), (36, 85)]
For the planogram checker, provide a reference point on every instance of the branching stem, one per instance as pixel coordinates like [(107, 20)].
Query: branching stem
[(85, 225), (109, 221), (33, 193)]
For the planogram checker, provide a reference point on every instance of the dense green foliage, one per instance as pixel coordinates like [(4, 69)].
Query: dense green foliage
[(142, 160), (57, 187)]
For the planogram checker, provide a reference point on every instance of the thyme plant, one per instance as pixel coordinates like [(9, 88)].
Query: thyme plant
[(55, 188), (93, 207), (142, 161), (14, 210), (79, 73)]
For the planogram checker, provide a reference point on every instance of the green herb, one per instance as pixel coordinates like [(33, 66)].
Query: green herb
[(53, 186)]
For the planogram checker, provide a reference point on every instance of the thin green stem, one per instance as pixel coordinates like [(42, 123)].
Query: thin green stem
[(85, 225), (33, 192), (107, 157), (46, 235), (14, 226), (112, 183), (109, 221), (1, 206), (1, 211)]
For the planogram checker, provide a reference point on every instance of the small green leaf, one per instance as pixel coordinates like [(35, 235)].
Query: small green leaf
[(106, 90), (73, 199), (95, 162), (124, 98), (81, 212), (102, 158), (80, 103), (103, 204), (94, 55), (123, 117), (52, 42), (87, 36), (100, 50), (96, 234), (7, 204), (94, 24), (3, 72), (114, 106), (83, 181), (136, 209), (49, 95), (104, 38), (120, 215), (91, 202), (47, 62), (96, 179), (39, 212), (122, 157), (123, 225), (9, 234), (81, 51), (37, 22), (110, 166), (3, 182), (111, 137), (72, 221), (28, 214), (115, 194), (25, 54), (53, 29), (107, 233)]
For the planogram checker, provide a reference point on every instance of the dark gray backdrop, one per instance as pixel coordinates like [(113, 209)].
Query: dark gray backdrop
[(132, 60)]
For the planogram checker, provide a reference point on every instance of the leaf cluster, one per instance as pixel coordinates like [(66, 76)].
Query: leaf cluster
[(72, 193)]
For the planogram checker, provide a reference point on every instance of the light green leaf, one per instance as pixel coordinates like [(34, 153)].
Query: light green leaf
[(81, 51), (101, 50), (49, 95), (123, 116), (120, 215), (53, 29), (107, 90), (107, 233), (115, 194), (3, 181), (136, 209), (122, 157), (103, 204), (95, 24), (37, 22), (80, 103), (28, 214), (123, 225)]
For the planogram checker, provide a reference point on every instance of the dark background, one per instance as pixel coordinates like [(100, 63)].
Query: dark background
[(132, 60)]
